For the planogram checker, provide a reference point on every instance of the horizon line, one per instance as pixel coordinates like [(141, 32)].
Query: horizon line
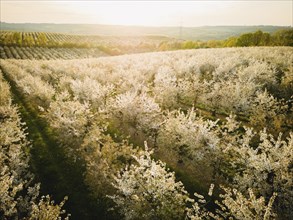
[(150, 26)]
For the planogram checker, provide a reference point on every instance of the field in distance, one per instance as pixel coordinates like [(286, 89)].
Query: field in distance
[(40, 45)]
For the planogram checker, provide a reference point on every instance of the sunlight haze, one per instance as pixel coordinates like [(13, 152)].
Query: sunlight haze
[(149, 13)]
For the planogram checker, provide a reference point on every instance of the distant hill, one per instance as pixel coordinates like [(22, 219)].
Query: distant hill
[(187, 33)]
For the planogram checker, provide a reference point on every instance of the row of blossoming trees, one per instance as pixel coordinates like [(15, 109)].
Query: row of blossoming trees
[(17, 43), (43, 53), (19, 193), (215, 117), (47, 39)]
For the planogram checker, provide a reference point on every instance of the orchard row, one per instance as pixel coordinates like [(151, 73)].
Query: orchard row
[(110, 44), (19, 193), (43, 53)]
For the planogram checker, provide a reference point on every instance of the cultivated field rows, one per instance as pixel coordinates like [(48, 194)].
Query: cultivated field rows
[(111, 44), (39, 38), (44, 53)]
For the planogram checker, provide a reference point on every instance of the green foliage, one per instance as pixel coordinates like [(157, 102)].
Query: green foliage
[(258, 38), (254, 39), (283, 37), (43, 39), (17, 39)]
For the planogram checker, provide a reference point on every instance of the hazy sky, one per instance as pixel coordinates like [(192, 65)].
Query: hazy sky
[(150, 13)]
